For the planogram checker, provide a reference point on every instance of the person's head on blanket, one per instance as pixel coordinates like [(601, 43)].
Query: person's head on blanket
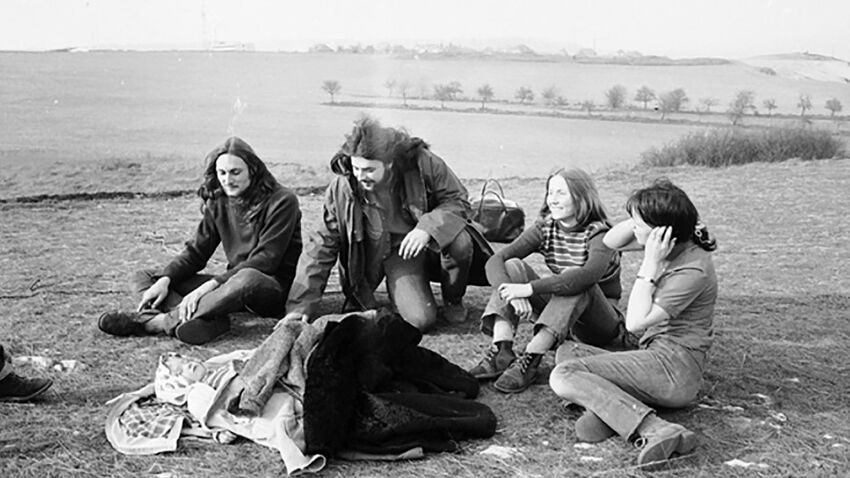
[(174, 375)]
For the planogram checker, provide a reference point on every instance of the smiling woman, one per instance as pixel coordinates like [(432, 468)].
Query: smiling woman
[(258, 223), (578, 301)]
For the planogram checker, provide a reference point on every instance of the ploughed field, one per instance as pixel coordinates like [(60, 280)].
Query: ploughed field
[(133, 121)]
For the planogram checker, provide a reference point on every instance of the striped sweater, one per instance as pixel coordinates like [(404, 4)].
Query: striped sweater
[(577, 259)]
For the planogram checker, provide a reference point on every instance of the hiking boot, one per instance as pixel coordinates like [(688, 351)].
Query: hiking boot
[(202, 330), (591, 429), (14, 388), (454, 312), (496, 360), (125, 324), (659, 439), (520, 375)]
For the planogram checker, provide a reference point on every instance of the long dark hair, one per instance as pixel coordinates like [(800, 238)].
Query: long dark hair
[(368, 139), (262, 182), (665, 204), (585, 197)]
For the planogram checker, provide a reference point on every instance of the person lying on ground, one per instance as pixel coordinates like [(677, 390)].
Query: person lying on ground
[(578, 301), (672, 303), (394, 210), (258, 223), (15, 388)]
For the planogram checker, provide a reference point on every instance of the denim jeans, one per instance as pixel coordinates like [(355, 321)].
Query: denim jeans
[(589, 316), (620, 387), (408, 280), (248, 289)]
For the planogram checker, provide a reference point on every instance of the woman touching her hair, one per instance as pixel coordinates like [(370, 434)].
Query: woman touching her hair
[(671, 306)]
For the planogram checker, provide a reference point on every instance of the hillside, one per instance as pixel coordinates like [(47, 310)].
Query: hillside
[(804, 66)]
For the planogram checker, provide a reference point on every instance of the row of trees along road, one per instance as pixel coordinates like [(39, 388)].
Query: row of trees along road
[(616, 98)]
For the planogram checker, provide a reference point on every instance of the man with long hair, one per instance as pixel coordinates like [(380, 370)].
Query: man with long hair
[(258, 223), (394, 210)]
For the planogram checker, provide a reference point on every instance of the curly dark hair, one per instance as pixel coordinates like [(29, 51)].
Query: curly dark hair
[(665, 204), (368, 139), (262, 182)]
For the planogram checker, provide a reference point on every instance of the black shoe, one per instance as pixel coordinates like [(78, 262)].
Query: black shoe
[(520, 375), (125, 324), (495, 361), (455, 312), (14, 388), (203, 330)]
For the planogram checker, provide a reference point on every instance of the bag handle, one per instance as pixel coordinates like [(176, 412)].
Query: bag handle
[(487, 183), (492, 193)]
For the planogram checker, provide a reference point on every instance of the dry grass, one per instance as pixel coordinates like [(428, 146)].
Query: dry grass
[(776, 391)]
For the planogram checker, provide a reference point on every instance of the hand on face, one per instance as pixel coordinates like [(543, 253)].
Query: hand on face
[(659, 244)]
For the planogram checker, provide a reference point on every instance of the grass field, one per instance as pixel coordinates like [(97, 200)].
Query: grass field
[(775, 393)]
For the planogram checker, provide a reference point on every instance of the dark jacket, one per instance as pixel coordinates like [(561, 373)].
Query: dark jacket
[(431, 195), (370, 387)]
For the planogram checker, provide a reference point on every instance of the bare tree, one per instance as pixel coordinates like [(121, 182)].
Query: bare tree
[(441, 93), (550, 96), (390, 86), (331, 87), (485, 92), (708, 102), (744, 100), (770, 105), (805, 103), (672, 102), (616, 97), (644, 95), (422, 86), (403, 88), (834, 106), (447, 92), (524, 94)]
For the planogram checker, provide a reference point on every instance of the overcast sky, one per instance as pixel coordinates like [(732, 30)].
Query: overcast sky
[(676, 28)]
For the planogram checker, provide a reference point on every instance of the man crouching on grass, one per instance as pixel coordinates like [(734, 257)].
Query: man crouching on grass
[(394, 210)]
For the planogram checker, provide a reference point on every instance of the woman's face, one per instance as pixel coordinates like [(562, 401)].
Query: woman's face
[(559, 200), (641, 228), (233, 174)]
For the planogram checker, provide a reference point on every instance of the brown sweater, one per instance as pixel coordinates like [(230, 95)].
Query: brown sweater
[(271, 245)]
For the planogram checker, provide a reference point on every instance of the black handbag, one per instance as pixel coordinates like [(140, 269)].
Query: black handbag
[(502, 220)]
